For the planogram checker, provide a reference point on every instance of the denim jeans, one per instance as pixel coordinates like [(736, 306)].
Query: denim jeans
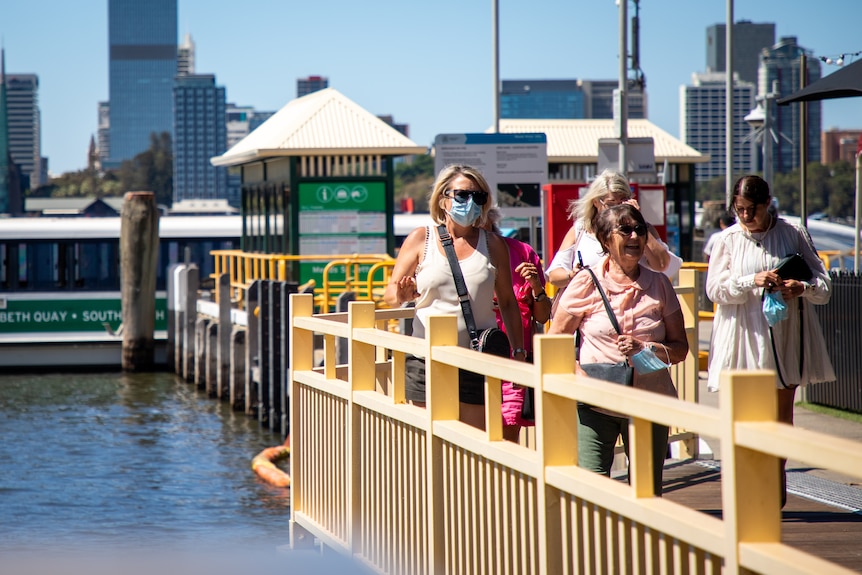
[(597, 436)]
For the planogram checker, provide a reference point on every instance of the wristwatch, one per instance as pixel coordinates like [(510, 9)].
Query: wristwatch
[(542, 296), (519, 350)]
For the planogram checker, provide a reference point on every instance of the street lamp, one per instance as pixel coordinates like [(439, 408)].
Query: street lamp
[(760, 120)]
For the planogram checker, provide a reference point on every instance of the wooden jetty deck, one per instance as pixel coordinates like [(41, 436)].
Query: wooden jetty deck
[(826, 531)]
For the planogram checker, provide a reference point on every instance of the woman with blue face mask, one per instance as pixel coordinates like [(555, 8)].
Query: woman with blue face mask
[(460, 200)]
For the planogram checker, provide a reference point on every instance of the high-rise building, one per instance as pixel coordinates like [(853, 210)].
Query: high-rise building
[(103, 146), (565, 99), (10, 181), (240, 121), (311, 84), (703, 106), (541, 99), (780, 73), (840, 145), (142, 38), (748, 40), (23, 120), (200, 133), (186, 57), (599, 100)]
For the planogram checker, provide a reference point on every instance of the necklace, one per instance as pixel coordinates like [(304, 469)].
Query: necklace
[(758, 237)]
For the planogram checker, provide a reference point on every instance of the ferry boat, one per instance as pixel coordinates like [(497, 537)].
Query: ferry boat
[(60, 301)]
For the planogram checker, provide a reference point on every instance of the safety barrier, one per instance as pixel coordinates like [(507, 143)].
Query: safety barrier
[(364, 274), (412, 490)]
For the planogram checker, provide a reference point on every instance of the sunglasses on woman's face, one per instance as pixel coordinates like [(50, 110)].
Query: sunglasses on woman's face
[(461, 196), (626, 230)]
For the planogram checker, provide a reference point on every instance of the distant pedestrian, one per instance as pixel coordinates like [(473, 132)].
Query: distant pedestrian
[(725, 220)]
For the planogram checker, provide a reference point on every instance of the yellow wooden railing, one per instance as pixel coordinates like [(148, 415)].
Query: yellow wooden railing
[(412, 490), (244, 268)]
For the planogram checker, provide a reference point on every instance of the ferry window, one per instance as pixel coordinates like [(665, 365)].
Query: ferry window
[(43, 264), (4, 275), (96, 265)]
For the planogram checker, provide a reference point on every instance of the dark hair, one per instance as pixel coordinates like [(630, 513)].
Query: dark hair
[(608, 220), (727, 219), (752, 188)]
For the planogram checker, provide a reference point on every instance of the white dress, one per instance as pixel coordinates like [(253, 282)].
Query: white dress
[(740, 333)]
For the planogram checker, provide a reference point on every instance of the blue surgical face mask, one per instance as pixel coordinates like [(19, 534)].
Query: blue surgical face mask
[(465, 214), (646, 361), (774, 308)]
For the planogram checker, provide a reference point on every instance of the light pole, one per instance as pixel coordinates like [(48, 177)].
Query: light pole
[(760, 120)]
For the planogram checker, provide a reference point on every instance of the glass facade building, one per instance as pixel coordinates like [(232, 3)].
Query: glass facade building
[(565, 100), (142, 38), (703, 105), (780, 69), (200, 132)]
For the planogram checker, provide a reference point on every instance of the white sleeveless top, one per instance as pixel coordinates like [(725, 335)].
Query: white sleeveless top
[(438, 295)]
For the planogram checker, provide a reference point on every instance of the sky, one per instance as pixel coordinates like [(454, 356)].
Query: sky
[(428, 64)]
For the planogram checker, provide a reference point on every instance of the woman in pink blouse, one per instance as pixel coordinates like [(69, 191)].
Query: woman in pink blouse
[(650, 318)]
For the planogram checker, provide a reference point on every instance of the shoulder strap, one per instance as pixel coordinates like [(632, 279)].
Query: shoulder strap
[(460, 285), (610, 311)]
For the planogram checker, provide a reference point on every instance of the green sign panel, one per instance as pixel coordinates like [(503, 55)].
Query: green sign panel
[(81, 314), (338, 218)]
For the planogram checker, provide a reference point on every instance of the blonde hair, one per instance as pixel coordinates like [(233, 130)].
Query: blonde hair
[(584, 209), (441, 184)]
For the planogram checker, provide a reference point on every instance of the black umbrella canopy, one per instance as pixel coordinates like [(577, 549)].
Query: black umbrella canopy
[(845, 83)]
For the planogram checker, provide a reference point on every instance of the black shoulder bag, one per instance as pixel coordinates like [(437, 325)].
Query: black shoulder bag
[(620, 372), (492, 340)]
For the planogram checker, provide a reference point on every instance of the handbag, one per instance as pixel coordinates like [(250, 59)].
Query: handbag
[(620, 372), (492, 340), (794, 267)]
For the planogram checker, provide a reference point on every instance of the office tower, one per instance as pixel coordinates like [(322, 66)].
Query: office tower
[(599, 100), (840, 145), (200, 133), (10, 182), (241, 121), (311, 84), (403, 129), (565, 99), (104, 133), (748, 40), (22, 117), (541, 99), (186, 57), (703, 105), (142, 38), (780, 73)]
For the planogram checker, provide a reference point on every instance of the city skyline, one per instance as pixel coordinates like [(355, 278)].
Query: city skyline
[(428, 66)]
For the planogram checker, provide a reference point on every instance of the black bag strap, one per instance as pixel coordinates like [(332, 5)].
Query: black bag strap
[(610, 311), (460, 285), (801, 346)]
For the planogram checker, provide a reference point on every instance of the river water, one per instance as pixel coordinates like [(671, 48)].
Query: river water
[(112, 461)]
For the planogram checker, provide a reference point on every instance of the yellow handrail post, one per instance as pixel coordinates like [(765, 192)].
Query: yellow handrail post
[(750, 479)]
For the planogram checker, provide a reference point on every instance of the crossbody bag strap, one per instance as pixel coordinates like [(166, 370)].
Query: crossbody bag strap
[(460, 285), (610, 311), (801, 348)]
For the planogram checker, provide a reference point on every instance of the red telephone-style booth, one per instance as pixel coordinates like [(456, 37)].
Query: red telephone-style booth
[(555, 211)]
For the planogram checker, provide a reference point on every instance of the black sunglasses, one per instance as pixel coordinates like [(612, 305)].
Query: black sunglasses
[(627, 230), (461, 196)]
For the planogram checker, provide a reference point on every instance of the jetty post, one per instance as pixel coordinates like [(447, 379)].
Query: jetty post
[(139, 249)]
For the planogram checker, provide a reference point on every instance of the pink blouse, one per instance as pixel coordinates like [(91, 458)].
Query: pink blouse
[(641, 308)]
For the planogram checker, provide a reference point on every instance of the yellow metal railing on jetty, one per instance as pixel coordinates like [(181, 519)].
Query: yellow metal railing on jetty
[(364, 274), (411, 490)]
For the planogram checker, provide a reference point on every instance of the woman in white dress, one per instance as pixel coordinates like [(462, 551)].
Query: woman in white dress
[(742, 267)]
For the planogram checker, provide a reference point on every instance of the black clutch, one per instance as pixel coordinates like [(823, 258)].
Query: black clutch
[(794, 268)]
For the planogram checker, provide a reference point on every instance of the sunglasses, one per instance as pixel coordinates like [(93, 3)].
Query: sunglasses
[(627, 230), (461, 196)]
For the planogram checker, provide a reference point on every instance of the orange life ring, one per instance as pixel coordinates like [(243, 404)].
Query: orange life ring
[(263, 464)]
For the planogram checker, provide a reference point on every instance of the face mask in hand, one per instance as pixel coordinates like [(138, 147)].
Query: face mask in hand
[(465, 214), (774, 308), (646, 361)]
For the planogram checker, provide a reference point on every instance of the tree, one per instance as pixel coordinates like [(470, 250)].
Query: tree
[(413, 179)]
